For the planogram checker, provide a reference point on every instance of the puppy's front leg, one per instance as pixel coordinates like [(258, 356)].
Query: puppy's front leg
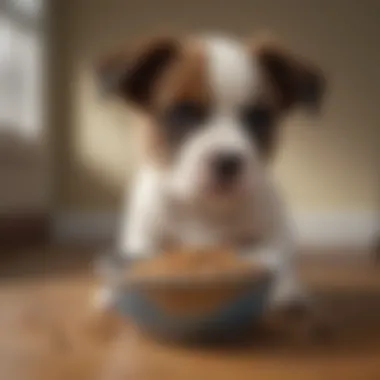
[(291, 305), (136, 243), (140, 234), (278, 259)]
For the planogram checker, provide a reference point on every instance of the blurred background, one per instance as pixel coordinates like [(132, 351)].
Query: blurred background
[(66, 154)]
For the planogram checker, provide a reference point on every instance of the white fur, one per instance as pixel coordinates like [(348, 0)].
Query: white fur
[(234, 82), (168, 205), (233, 76)]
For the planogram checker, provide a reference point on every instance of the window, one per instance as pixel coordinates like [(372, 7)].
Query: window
[(21, 64), (30, 8)]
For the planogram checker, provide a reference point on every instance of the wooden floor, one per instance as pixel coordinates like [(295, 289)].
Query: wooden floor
[(47, 331)]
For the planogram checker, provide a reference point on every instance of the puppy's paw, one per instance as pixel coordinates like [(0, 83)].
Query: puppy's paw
[(102, 321), (103, 299)]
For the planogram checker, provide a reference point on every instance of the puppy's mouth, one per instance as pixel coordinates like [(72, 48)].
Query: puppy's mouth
[(226, 189)]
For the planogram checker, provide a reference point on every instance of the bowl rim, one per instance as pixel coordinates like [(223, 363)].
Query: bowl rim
[(200, 281), (121, 264)]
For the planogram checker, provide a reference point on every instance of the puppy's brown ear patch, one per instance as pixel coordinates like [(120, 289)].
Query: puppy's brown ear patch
[(132, 73), (297, 82)]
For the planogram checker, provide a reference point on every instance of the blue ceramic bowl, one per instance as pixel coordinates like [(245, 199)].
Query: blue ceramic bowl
[(233, 304)]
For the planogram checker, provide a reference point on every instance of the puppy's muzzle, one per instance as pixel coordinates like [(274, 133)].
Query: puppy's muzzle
[(226, 167)]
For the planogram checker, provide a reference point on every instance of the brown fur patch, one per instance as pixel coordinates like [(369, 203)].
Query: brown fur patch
[(185, 78)]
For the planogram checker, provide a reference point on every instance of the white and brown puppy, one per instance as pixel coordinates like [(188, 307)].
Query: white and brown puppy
[(213, 106)]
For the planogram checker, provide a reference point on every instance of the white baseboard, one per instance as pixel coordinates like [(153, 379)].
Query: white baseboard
[(352, 230), (344, 229)]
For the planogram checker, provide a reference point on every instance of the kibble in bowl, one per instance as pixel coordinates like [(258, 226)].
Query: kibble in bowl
[(194, 294)]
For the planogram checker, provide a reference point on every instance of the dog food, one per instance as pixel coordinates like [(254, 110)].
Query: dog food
[(191, 264)]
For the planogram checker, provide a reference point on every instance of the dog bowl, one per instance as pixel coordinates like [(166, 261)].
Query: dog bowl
[(206, 308)]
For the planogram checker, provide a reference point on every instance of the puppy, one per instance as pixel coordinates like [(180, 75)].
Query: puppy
[(213, 107)]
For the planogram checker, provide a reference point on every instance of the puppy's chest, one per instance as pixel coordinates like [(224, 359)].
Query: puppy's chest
[(198, 230)]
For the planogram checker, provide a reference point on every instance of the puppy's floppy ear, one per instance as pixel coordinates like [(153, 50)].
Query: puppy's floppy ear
[(132, 73), (298, 82)]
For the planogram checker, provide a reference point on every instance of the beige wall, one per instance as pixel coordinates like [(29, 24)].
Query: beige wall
[(328, 165)]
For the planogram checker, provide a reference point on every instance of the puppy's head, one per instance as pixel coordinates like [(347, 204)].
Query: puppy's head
[(213, 106)]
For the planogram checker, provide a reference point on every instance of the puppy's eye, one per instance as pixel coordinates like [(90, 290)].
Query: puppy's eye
[(185, 114), (258, 122), (257, 117)]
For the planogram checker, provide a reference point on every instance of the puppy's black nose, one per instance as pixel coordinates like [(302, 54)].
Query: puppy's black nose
[(227, 166)]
